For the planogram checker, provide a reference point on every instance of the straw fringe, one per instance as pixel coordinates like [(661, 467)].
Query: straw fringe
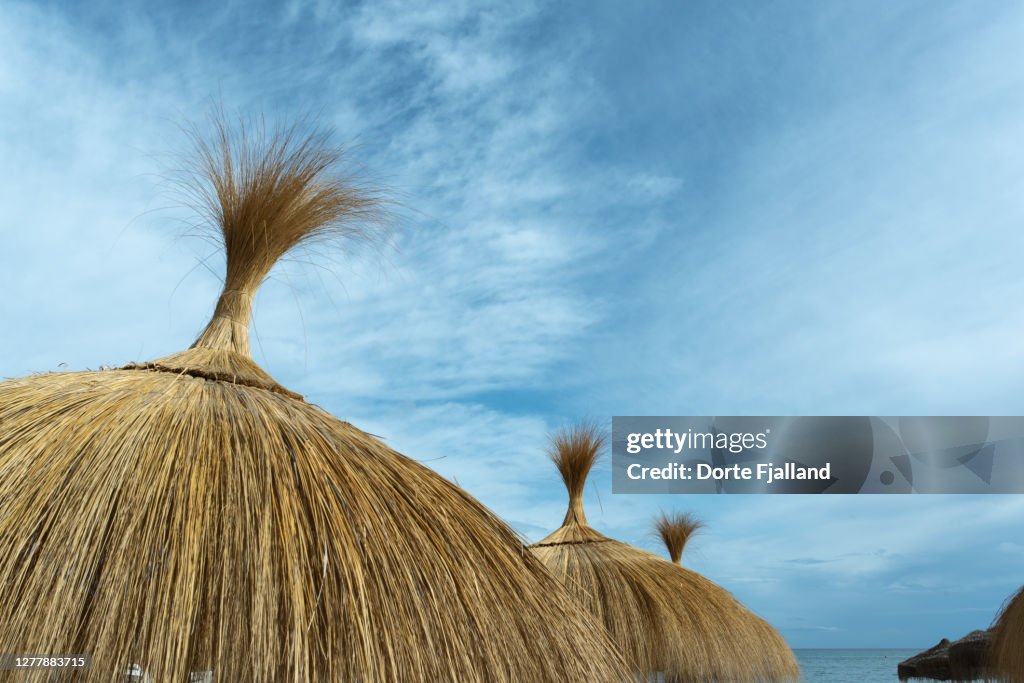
[(1007, 655), (661, 616), (185, 525)]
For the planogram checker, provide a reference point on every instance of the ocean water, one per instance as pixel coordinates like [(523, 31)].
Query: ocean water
[(851, 666)]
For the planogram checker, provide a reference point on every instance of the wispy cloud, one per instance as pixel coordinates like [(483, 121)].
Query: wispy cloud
[(624, 212)]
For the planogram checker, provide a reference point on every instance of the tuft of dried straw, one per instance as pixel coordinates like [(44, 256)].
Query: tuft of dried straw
[(676, 530), (190, 514), (262, 193), (661, 616), (1007, 654), (574, 451)]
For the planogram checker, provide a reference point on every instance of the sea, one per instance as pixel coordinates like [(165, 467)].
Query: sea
[(851, 666)]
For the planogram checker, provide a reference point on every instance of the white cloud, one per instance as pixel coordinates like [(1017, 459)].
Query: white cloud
[(860, 259)]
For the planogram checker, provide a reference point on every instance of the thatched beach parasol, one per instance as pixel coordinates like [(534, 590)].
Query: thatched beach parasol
[(190, 514), (961, 660), (663, 617), (1007, 654), (676, 530)]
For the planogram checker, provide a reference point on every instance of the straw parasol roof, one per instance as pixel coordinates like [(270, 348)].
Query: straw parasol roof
[(1007, 658), (190, 514), (676, 530), (960, 660), (663, 617)]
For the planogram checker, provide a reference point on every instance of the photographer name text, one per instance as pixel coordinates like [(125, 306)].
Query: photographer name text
[(763, 472)]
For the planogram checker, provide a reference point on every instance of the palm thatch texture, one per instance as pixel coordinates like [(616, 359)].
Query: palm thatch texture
[(663, 617), (190, 514), (676, 530), (1006, 661), (961, 660)]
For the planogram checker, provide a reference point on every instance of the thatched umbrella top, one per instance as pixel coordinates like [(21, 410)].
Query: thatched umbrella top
[(1007, 658), (961, 660), (191, 514), (662, 616), (676, 530)]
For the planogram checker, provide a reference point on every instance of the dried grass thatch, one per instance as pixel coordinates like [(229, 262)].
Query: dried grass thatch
[(961, 660), (662, 617), (191, 514), (1006, 661), (676, 530)]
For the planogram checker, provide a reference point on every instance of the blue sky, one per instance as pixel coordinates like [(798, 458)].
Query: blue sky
[(608, 208)]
